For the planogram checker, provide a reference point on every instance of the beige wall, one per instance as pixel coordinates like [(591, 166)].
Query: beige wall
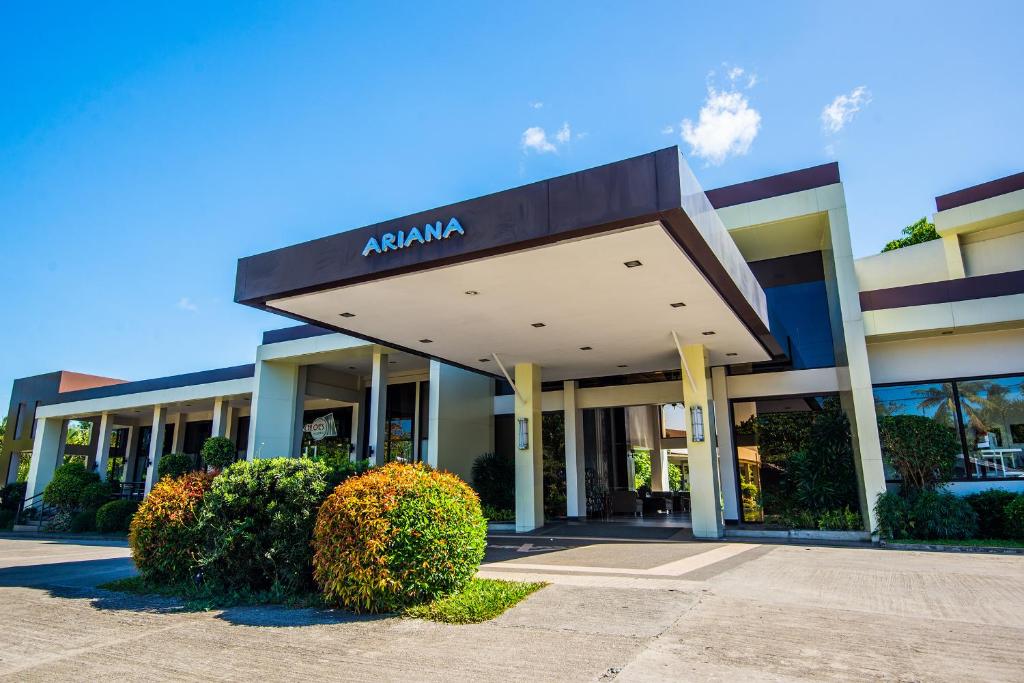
[(996, 250), (924, 262), (946, 356)]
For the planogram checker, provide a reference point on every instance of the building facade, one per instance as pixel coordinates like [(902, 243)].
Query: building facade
[(588, 323)]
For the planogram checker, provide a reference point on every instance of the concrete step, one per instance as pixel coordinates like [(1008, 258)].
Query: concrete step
[(32, 528)]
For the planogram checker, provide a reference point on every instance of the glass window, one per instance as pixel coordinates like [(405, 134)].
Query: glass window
[(992, 416), (936, 401), (401, 411), (798, 317), (673, 421), (794, 460)]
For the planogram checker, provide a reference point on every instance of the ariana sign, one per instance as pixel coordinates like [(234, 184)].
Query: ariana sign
[(392, 241)]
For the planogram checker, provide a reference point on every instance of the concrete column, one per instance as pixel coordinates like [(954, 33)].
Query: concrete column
[(705, 486), (460, 415), (129, 454), (106, 431), (954, 256), (12, 466), (726, 447), (178, 438), (529, 460), (659, 458), (417, 426), (377, 437), (275, 401), (221, 417), (357, 428), (46, 453), (575, 463), (156, 445), (300, 407)]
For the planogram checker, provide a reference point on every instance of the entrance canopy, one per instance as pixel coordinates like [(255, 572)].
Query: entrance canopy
[(587, 275)]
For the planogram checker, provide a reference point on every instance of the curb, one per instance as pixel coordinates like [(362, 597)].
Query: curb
[(60, 536), (942, 548)]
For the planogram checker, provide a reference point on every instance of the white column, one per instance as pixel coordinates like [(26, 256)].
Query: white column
[(417, 425), (46, 454), (726, 447), (103, 447), (300, 408), (530, 459), (221, 417), (659, 458), (357, 427), (12, 467), (178, 438), (705, 486), (275, 401), (156, 445), (575, 463), (129, 454), (460, 419), (378, 406)]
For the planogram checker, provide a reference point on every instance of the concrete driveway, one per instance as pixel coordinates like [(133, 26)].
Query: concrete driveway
[(627, 611)]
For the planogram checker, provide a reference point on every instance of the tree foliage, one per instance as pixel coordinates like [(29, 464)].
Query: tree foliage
[(920, 449), (915, 233)]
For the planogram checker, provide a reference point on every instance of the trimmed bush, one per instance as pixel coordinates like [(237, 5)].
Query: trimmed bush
[(1014, 512), (494, 478), (83, 521), (7, 519), (257, 523), (163, 535), (942, 515), (115, 516), (68, 484), (397, 536), (218, 452), (95, 495), (990, 506), (893, 513), (11, 496), (174, 465)]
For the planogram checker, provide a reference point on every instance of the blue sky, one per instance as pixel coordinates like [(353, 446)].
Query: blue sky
[(142, 151)]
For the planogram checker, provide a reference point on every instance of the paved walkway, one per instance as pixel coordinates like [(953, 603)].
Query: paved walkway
[(628, 611)]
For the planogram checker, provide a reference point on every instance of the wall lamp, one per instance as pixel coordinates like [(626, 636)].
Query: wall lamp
[(696, 423), (524, 433)]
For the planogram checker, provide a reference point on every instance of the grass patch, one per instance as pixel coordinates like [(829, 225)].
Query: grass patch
[(200, 598), (967, 543), (481, 600)]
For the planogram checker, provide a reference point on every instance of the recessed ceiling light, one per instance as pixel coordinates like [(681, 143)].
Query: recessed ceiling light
[(351, 367), (631, 264), (708, 333), (586, 348), (732, 354), (538, 325), (426, 341), (346, 314), (948, 332), (392, 362), (472, 292), (678, 304), (483, 360), (623, 366)]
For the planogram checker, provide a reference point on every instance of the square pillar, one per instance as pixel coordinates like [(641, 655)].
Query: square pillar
[(377, 438), (575, 463), (46, 453), (129, 455), (103, 448), (276, 399), (529, 458), (705, 486), (355, 431), (659, 458), (726, 447), (221, 417), (178, 438), (156, 445), (460, 420)]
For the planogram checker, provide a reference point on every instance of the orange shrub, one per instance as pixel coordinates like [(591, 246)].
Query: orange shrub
[(163, 534), (396, 536)]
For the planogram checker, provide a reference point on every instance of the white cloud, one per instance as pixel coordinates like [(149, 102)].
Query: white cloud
[(580, 136), (536, 105), (735, 72), (751, 81), (564, 133), (534, 138), (726, 126), (186, 304), (668, 130), (840, 112)]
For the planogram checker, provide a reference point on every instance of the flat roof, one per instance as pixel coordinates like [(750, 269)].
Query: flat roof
[(976, 193), (156, 384), (608, 214)]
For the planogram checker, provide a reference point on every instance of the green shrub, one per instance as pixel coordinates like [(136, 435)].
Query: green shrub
[(218, 452), (990, 506), (397, 536), (840, 520), (939, 514), (68, 484), (920, 449), (174, 465), (340, 468), (115, 516), (11, 496), (7, 519), (1014, 512), (493, 514), (893, 513), (95, 495), (163, 535), (257, 523), (83, 521), (494, 478)]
